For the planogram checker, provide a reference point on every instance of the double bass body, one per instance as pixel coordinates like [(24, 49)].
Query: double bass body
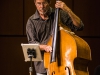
[(72, 55)]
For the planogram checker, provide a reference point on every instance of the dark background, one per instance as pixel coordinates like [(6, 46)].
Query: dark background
[(13, 18)]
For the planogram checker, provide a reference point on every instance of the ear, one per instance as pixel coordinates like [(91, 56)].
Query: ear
[(34, 1)]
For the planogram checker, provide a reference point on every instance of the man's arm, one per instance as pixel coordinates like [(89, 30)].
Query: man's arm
[(32, 39), (76, 20)]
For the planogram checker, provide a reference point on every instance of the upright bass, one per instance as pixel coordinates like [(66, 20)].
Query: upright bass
[(71, 53)]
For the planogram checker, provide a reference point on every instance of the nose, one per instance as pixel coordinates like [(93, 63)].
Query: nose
[(42, 5)]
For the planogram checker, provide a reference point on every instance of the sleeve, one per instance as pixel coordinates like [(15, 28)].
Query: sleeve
[(66, 20), (30, 32)]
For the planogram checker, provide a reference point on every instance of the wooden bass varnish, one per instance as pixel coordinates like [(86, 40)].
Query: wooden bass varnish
[(71, 54)]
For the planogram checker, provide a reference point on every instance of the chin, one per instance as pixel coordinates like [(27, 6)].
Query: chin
[(42, 13)]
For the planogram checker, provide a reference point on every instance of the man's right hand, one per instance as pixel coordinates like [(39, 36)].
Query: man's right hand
[(46, 48)]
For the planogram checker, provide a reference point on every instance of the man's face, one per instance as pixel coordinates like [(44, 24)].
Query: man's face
[(42, 6)]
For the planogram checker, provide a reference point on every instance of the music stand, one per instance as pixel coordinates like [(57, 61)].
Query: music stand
[(31, 53)]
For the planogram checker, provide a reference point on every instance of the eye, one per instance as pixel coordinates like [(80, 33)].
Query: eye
[(39, 3)]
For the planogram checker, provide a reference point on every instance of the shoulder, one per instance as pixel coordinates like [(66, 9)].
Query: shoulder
[(31, 17), (34, 16), (30, 21)]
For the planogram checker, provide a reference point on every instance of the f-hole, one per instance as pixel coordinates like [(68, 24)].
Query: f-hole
[(68, 70), (53, 72)]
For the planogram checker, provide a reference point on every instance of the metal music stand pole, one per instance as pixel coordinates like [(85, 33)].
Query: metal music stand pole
[(31, 68)]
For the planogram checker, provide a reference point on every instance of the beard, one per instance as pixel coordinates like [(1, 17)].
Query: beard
[(43, 12)]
